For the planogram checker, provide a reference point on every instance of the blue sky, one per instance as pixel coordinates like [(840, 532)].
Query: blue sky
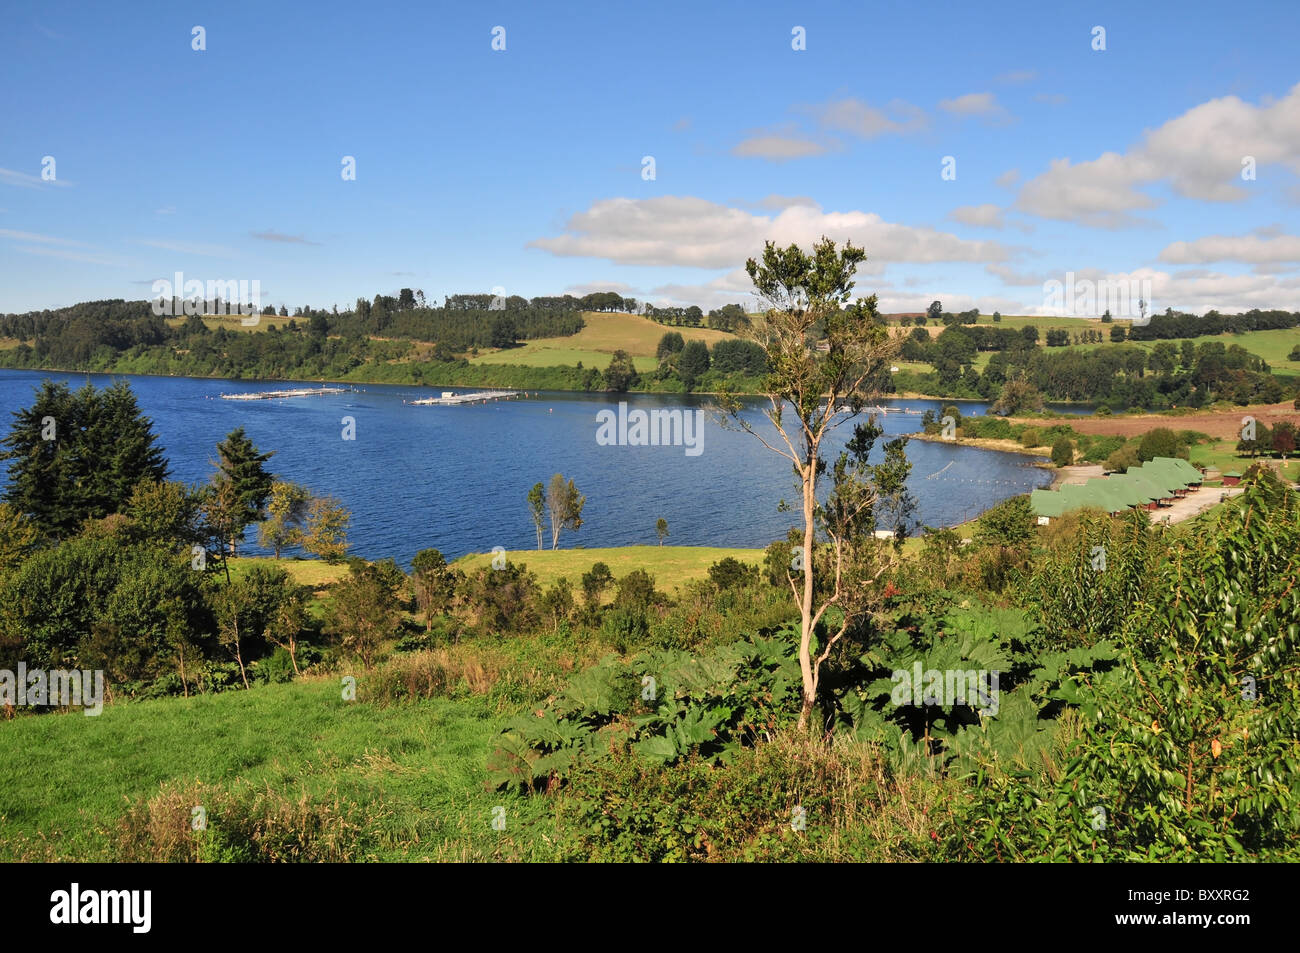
[(523, 168)]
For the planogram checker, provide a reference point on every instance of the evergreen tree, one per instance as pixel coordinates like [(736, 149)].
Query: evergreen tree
[(241, 468), (78, 456)]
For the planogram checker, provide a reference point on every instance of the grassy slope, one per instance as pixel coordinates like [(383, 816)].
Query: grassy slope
[(67, 775), (593, 345), (672, 566)]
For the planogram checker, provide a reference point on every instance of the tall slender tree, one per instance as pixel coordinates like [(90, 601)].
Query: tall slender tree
[(564, 504), (810, 392), (537, 510)]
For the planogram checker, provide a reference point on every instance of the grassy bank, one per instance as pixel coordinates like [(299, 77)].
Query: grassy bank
[(417, 770), (672, 566)]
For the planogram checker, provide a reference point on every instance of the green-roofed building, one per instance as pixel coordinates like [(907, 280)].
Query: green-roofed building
[(1110, 496), (1165, 474), (1128, 490), (1183, 468), (1046, 504), (1149, 483)]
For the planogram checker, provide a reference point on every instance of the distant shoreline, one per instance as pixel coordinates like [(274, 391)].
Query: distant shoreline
[(899, 395)]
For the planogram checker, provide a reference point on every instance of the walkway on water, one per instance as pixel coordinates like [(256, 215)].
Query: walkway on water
[(295, 392), (482, 396)]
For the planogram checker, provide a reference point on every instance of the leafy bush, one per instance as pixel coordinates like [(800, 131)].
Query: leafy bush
[(731, 573), (663, 704), (790, 798), (1190, 749), (439, 673), (247, 825)]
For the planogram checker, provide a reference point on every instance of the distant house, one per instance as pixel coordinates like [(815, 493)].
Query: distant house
[(1231, 478)]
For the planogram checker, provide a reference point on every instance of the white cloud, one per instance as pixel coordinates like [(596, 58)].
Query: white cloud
[(779, 202), (33, 237), (1010, 276), (189, 248), (1258, 249), (866, 121), (591, 287), (68, 255), (1018, 76), (694, 232), (23, 180), (734, 286), (972, 104), (271, 235), (778, 148), (1008, 178), (984, 216), (1199, 290), (1052, 99), (1199, 154)]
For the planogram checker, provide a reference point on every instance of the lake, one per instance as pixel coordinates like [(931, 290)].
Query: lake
[(457, 477)]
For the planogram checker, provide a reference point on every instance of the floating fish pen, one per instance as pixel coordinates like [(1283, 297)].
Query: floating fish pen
[(295, 392), (449, 398)]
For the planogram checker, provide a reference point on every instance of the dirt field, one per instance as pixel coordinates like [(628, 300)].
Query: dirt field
[(1224, 424)]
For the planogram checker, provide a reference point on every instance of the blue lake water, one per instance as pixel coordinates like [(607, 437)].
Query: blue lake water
[(456, 478)]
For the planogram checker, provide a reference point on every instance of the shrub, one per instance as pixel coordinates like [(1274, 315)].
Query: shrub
[(731, 573), (791, 798), (1122, 459), (1160, 442), (665, 704), (439, 673), (246, 825), (1063, 452)]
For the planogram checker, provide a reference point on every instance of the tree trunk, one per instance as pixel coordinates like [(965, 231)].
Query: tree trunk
[(809, 475), (185, 685), (239, 656)]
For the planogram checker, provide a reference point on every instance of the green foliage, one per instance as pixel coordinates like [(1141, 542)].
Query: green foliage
[(1091, 574), (286, 516), (78, 456), (363, 613), (1009, 718), (502, 600), (1190, 749), (325, 533), (18, 538), (731, 573), (662, 705), (1159, 442), (1010, 523), (241, 466), (595, 582), (1063, 452), (621, 375)]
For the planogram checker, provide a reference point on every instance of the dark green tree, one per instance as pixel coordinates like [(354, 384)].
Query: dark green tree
[(693, 363), (621, 373), (74, 457), (242, 467)]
